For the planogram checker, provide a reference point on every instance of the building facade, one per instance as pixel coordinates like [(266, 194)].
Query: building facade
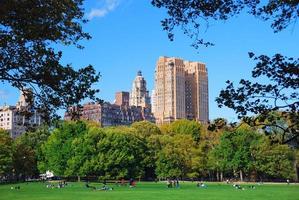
[(122, 98), (139, 95), (126, 109), (17, 119), (181, 91), (197, 94), (107, 114), (153, 101)]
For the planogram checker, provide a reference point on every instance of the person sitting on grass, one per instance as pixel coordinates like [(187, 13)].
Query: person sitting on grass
[(238, 187), (177, 183), (252, 187), (132, 183), (50, 185), (201, 185), (173, 183), (64, 183), (60, 185), (106, 188), (122, 182), (169, 183), (16, 188)]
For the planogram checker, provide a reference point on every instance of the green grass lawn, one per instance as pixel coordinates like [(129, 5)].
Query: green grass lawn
[(148, 191)]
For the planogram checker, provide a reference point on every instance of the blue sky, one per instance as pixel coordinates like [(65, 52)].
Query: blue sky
[(127, 37)]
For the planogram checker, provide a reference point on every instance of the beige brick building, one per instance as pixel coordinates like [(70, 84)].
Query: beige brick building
[(108, 114), (15, 122), (181, 90), (122, 98)]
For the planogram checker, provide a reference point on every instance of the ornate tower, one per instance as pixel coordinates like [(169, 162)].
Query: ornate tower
[(139, 95)]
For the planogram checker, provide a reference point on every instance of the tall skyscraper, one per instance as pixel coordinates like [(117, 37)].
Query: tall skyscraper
[(169, 90), (139, 95), (197, 96), (181, 90), (153, 101)]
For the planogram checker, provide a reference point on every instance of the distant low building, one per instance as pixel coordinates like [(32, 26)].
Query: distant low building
[(108, 114), (17, 119), (126, 109), (122, 98)]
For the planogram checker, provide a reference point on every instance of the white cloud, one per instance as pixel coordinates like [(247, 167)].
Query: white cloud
[(108, 6), (97, 13)]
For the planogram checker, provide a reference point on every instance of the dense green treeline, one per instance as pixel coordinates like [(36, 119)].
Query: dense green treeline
[(183, 149)]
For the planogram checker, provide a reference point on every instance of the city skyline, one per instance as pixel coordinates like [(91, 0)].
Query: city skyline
[(147, 99), (127, 108), (126, 40)]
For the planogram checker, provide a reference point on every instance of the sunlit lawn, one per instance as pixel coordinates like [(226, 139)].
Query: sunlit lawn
[(187, 191)]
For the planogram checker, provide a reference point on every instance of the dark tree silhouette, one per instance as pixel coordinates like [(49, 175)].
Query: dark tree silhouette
[(29, 30), (194, 15), (271, 106)]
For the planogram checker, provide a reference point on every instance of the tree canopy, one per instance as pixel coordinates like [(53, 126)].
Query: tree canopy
[(83, 149), (5, 153), (29, 31), (274, 104), (194, 15), (254, 102)]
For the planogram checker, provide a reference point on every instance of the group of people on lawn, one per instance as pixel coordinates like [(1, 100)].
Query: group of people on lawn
[(173, 183), (122, 182), (60, 184)]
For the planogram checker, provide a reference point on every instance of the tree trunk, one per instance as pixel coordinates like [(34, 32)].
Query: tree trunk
[(296, 171), (297, 174), (241, 176), (217, 175), (221, 176), (78, 178)]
